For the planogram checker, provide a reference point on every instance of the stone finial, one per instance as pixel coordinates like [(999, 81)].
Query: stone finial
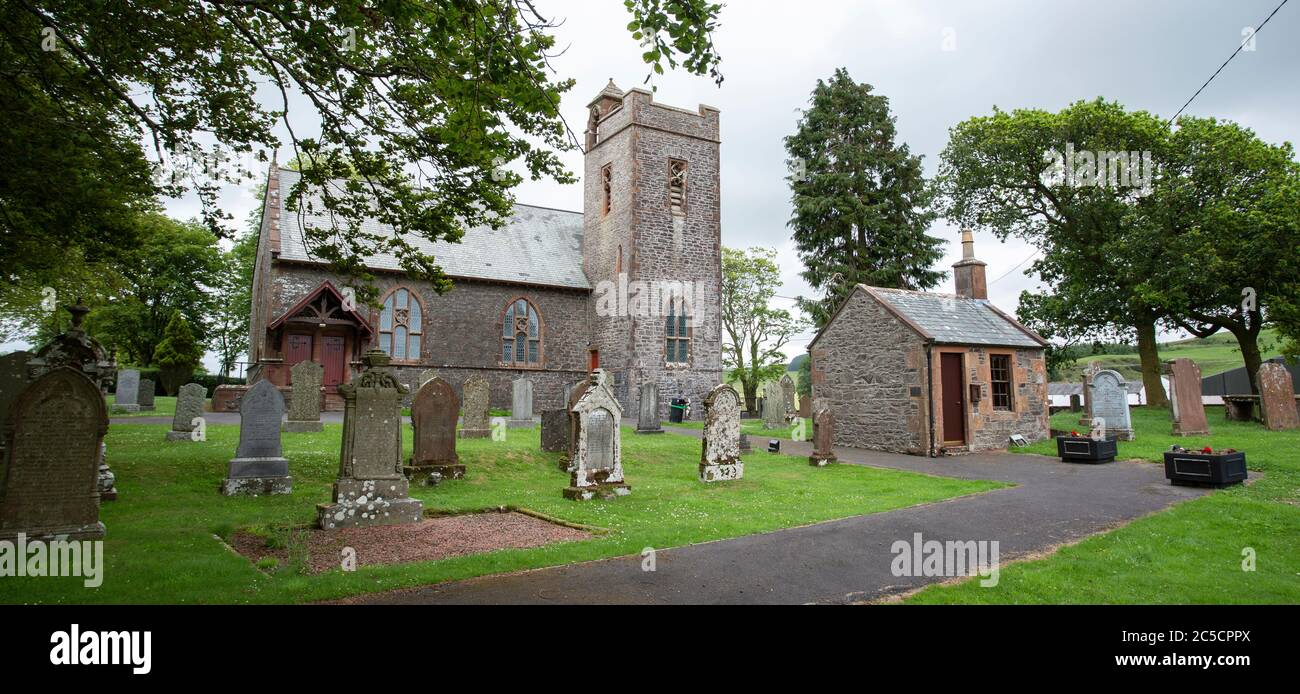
[(376, 358)]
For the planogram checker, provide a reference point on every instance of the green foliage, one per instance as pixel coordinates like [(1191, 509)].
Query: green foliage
[(753, 331), (803, 386), (667, 28), (861, 202), (178, 354)]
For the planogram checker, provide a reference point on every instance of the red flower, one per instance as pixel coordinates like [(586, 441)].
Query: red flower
[(1207, 450), (1074, 433)]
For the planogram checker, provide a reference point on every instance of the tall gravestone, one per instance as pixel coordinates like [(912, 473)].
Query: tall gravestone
[(145, 396), (371, 489), (823, 436), (1109, 401), (521, 403), (647, 421), (13, 378), (189, 407), (573, 393), (304, 406), (259, 466), (1277, 397), (787, 394), (1092, 369), (597, 455), (720, 450), (1185, 398), (555, 431), (54, 435), (773, 406), (477, 424), (127, 396), (434, 411)]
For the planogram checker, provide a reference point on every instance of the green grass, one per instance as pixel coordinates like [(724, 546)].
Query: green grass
[(164, 406), (1214, 354), (755, 428), (160, 546), (1191, 553)]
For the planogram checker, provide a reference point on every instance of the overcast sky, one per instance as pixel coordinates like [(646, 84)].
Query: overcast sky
[(1151, 55)]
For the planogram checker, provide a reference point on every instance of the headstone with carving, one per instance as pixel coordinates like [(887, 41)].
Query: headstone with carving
[(1185, 398), (647, 421), (597, 457), (259, 466), (521, 404), (555, 430), (434, 411), (189, 407), (477, 424), (1109, 400), (1277, 397), (773, 406), (371, 489), (823, 436), (127, 395), (720, 450), (787, 394), (304, 406), (145, 397), (54, 436)]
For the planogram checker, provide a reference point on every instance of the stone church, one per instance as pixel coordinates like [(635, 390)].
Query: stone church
[(551, 295)]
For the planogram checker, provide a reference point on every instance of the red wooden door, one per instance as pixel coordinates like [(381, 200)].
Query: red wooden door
[(335, 361), (954, 398), (299, 349)]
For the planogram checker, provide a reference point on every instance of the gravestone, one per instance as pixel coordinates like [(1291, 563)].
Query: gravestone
[(1088, 372), (304, 406), (433, 416), (1185, 398), (744, 443), (477, 424), (573, 393), (805, 406), (127, 396), (597, 457), (13, 378), (555, 431), (647, 421), (371, 489), (1109, 400), (1277, 397), (145, 398), (189, 406), (1076, 403), (54, 436), (521, 404), (823, 436), (720, 450), (259, 466), (787, 394), (773, 406)]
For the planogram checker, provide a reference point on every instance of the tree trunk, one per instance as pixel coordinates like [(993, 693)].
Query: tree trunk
[(1248, 342), (751, 393), (1146, 337)]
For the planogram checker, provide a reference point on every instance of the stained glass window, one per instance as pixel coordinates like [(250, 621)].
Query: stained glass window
[(521, 335), (401, 326)]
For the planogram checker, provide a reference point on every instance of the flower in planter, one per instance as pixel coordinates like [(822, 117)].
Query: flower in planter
[(1074, 433), (1207, 450)]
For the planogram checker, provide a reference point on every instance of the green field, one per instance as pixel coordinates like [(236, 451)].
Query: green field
[(1192, 553), (164, 406), (1214, 354)]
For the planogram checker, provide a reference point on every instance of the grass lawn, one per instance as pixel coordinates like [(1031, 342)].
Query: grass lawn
[(164, 406), (160, 546), (1214, 354), (755, 428), (1191, 553)]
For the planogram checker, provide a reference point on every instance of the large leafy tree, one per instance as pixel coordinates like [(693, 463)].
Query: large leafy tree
[(178, 354), (233, 302), (753, 330), (420, 105), (861, 202)]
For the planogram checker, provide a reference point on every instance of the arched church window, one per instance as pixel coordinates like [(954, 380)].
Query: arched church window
[(677, 348), (521, 334), (401, 326)]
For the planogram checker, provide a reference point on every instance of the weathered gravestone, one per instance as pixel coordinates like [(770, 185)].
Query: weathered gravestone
[(647, 421), (823, 436), (555, 431), (787, 394), (720, 452), (1277, 397), (433, 415), (370, 489), (145, 397), (127, 396), (1088, 372), (259, 466), (597, 457), (477, 424), (521, 404), (1185, 398), (304, 405), (1109, 400), (13, 378), (572, 394), (53, 436), (744, 443), (773, 406), (805, 407), (189, 407)]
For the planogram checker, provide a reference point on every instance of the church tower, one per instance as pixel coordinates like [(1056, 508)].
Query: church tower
[(652, 245)]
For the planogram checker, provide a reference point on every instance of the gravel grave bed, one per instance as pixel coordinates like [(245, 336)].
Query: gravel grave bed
[(428, 540)]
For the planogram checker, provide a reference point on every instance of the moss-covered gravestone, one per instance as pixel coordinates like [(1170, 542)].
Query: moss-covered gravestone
[(477, 424), (304, 406), (259, 466), (597, 457), (823, 436), (434, 411), (720, 452), (189, 407), (144, 398)]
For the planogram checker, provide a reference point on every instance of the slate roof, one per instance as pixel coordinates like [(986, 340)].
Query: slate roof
[(952, 319), (538, 245)]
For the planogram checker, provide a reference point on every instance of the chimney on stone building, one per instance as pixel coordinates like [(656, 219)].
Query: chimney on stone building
[(969, 272)]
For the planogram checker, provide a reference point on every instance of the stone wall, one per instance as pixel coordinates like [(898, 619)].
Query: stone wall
[(990, 429)]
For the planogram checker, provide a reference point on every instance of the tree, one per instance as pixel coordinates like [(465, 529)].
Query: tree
[(233, 301), (804, 386), (861, 202), (754, 331), (178, 354), (425, 103)]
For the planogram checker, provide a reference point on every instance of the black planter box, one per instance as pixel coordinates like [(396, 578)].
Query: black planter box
[(1082, 449), (1200, 468)]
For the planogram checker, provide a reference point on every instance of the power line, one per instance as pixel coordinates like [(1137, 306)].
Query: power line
[(1017, 267), (1225, 63)]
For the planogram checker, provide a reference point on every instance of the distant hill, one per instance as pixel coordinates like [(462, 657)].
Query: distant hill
[(1214, 354), (794, 363)]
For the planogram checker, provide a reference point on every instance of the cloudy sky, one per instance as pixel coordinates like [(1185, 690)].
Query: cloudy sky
[(1151, 55)]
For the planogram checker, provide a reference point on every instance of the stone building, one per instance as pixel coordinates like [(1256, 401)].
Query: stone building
[(631, 284), (930, 374)]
